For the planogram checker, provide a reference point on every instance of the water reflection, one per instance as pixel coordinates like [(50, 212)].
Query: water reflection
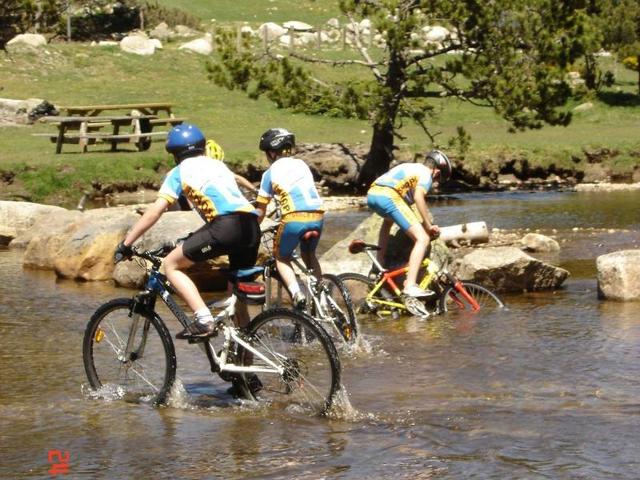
[(545, 389)]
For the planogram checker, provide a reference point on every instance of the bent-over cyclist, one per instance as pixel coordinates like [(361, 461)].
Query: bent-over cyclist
[(231, 223), (391, 196)]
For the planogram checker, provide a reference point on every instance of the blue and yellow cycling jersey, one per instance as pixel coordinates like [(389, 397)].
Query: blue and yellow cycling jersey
[(292, 182), (208, 184), (404, 179)]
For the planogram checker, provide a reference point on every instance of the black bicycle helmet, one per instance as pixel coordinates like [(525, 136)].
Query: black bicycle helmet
[(185, 140), (442, 163), (277, 139)]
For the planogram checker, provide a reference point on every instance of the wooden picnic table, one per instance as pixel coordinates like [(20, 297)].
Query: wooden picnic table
[(95, 110), (87, 130)]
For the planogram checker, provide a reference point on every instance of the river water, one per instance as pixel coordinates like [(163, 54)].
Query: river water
[(546, 389)]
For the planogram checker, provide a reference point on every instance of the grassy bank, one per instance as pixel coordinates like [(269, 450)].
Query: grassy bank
[(81, 74)]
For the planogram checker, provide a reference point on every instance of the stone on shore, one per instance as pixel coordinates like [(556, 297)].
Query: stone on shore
[(619, 275), (508, 269), (17, 217), (77, 245), (534, 242)]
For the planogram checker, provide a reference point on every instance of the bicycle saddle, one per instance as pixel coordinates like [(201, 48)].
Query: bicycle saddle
[(357, 246)]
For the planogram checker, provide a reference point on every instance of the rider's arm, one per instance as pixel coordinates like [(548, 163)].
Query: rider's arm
[(261, 208), (150, 217), (420, 198), (243, 182)]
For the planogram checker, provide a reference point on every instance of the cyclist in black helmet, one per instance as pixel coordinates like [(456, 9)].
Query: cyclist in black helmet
[(231, 222), (291, 181), (391, 196)]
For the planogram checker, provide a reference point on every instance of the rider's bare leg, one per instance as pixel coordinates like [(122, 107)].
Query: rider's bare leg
[(421, 241), (286, 273), (383, 239), (311, 261), (174, 264)]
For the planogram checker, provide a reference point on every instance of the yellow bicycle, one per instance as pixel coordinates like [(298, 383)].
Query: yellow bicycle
[(382, 296)]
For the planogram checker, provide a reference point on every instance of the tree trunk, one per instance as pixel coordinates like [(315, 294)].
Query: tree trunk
[(379, 157), (381, 150), (638, 58)]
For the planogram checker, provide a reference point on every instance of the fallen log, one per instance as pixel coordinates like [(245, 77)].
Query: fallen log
[(474, 232)]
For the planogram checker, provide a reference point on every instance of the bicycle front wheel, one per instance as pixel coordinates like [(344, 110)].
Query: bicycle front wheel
[(335, 311), (129, 354), (295, 364), (359, 287), (471, 297)]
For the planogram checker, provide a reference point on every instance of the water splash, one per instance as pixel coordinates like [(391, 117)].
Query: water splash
[(341, 408), (108, 392)]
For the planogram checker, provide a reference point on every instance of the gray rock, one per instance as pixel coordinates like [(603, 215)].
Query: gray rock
[(202, 46), (138, 44), (508, 269), (534, 242), (162, 32), (17, 217), (28, 40), (619, 275)]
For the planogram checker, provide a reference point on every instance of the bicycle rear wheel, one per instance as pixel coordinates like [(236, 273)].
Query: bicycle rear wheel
[(479, 299), (295, 343), (335, 313), (129, 353)]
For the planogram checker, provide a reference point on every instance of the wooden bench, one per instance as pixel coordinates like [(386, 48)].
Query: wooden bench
[(95, 110), (87, 130)]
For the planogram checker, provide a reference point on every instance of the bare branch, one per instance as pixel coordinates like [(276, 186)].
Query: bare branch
[(363, 51), (335, 63)]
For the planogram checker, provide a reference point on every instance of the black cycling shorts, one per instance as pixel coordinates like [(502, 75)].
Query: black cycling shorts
[(236, 235)]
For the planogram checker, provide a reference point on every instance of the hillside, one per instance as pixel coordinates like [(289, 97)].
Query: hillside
[(81, 74)]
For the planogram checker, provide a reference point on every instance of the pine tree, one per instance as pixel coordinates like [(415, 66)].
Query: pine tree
[(509, 55)]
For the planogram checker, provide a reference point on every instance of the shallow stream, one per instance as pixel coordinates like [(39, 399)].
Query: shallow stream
[(546, 389)]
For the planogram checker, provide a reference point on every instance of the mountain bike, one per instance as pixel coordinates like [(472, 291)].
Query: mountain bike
[(282, 357), (328, 301), (380, 294)]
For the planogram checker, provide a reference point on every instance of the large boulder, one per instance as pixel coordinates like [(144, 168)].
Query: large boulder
[(17, 217), (26, 40), (270, 31), (138, 44), (14, 111), (78, 245), (162, 32), (534, 242), (203, 45), (619, 275), (337, 164), (508, 269)]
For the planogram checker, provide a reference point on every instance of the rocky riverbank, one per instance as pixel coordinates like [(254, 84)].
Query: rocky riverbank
[(79, 245)]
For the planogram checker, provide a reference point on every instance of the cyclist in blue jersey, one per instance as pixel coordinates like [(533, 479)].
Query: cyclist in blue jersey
[(231, 223), (290, 180), (391, 196)]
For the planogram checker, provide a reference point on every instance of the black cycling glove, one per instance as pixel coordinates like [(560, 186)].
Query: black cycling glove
[(123, 252)]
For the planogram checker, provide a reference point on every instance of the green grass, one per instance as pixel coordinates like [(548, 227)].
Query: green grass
[(80, 74)]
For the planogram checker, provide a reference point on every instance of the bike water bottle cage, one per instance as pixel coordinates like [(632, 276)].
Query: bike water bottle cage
[(358, 246), (252, 293)]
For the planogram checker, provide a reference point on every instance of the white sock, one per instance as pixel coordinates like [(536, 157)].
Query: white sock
[(294, 288), (203, 315)]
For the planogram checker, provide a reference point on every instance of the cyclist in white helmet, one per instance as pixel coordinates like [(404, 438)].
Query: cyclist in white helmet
[(391, 196)]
